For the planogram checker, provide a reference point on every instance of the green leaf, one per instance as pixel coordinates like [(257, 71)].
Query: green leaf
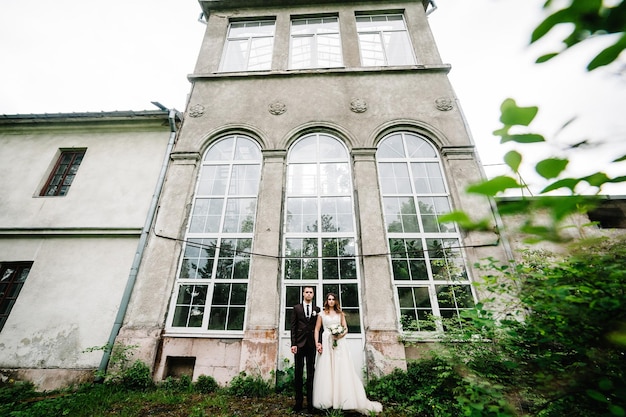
[(494, 186), (569, 183), (463, 220), (551, 167), (548, 23), (598, 179), (608, 55), (523, 138), (512, 114), (620, 159), (545, 58), (596, 395), (513, 159), (616, 410)]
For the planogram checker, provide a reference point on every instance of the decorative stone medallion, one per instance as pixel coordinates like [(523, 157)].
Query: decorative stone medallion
[(358, 105), (277, 108), (444, 104), (197, 110)]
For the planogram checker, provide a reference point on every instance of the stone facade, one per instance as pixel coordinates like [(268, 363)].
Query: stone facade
[(357, 104)]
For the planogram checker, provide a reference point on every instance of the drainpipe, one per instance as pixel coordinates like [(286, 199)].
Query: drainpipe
[(132, 277)]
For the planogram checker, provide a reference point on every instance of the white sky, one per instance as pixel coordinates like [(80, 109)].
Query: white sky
[(87, 55)]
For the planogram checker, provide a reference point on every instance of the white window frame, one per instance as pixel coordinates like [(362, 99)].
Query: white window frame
[(424, 237), (316, 38), (381, 40), (319, 282), (248, 40), (217, 236)]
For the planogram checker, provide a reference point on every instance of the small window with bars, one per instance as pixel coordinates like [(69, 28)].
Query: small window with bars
[(63, 173)]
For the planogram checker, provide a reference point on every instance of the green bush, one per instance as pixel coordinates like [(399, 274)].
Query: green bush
[(137, 377), (244, 385), (285, 379), (206, 384), (426, 388)]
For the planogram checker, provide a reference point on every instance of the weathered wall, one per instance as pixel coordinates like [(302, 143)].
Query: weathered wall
[(82, 245)]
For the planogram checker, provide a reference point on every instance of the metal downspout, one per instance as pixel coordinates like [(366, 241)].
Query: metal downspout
[(132, 277)]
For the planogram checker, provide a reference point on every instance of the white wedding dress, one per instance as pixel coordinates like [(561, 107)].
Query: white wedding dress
[(336, 383)]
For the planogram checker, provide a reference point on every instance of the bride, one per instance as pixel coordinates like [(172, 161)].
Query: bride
[(336, 383)]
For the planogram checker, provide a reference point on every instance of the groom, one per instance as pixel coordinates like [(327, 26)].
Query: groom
[(303, 320)]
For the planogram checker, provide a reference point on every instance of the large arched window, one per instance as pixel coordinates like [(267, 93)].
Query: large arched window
[(319, 236), (211, 288), (429, 273)]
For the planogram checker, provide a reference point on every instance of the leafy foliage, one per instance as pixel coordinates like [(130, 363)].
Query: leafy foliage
[(558, 347), (427, 388), (206, 384), (587, 18), (244, 385)]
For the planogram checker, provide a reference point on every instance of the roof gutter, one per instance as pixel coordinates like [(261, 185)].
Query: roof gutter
[(173, 116)]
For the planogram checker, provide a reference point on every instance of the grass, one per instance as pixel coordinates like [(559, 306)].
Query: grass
[(111, 400)]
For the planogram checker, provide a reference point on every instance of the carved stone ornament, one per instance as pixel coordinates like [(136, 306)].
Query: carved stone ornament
[(444, 104), (358, 105), (277, 108), (197, 110)]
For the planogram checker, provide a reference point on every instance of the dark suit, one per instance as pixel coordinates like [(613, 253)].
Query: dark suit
[(302, 330)]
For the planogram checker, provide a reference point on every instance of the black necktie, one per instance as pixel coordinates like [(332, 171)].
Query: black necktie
[(308, 314)]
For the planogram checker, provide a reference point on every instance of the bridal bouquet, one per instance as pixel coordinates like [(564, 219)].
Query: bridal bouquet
[(336, 330)]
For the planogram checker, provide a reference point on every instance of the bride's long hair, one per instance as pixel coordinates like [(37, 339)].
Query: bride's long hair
[(336, 307)]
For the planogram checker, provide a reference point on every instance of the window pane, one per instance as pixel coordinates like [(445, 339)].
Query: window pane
[(400, 214), (418, 147), (384, 40), (302, 215), (334, 178), (12, 277), (249, 46), (260, 54), (391, 147), (315, 43), (302, 179), (239, 215), (398, 48), (63, 175), (244, 180)]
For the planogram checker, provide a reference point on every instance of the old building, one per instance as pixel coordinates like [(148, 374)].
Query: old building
[(320, 144), (77, 190)]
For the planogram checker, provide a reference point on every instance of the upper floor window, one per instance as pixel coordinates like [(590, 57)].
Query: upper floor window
[(384, 40), (12, 277), (315, 43), (249, 46), (212, 284), (63, 174)]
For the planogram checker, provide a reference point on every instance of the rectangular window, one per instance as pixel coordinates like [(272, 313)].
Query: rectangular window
[(249, 46), (384, 40), (315, 43), (63, 174), (12, 277)]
